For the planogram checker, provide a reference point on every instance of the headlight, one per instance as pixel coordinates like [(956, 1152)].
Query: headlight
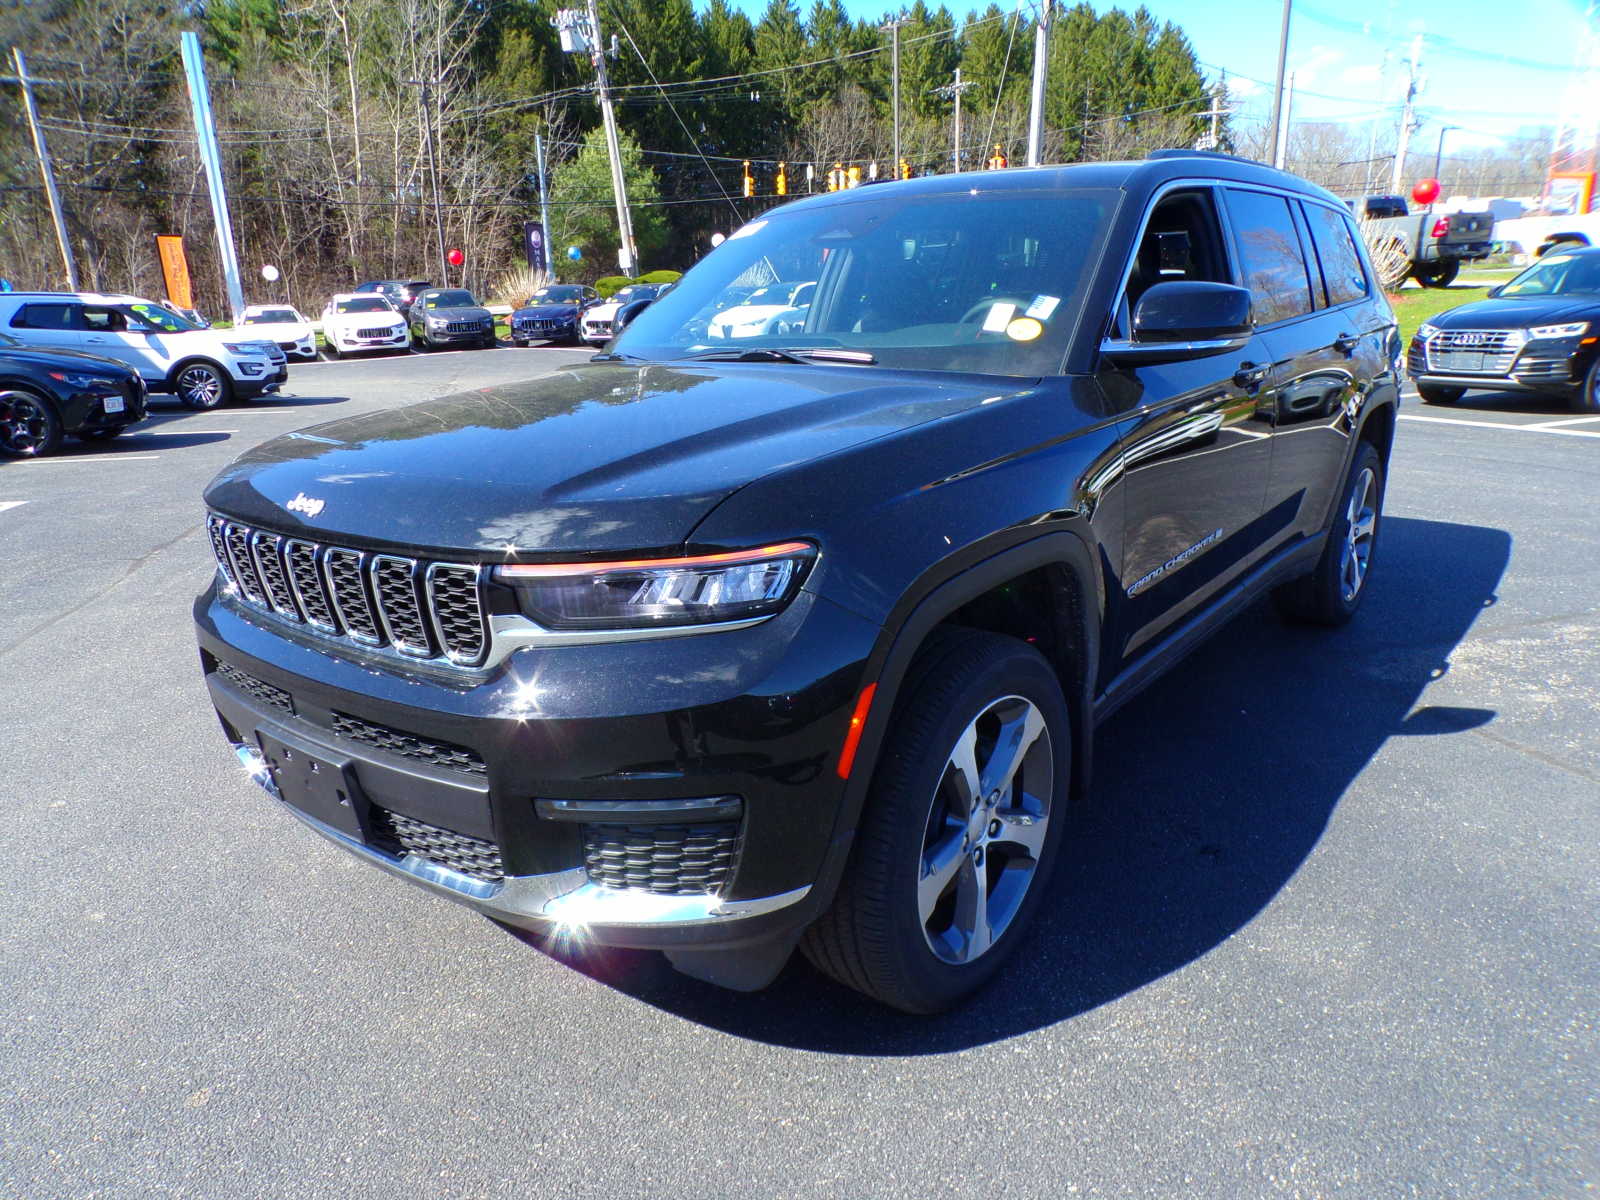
[(242, 348), (1426, 332), (1571, 329), (76, 380), (654, 593)]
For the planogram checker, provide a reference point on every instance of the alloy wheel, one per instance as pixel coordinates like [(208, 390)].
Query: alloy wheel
[(200, 387), (23, 424), (986, 830), (1361, 525)]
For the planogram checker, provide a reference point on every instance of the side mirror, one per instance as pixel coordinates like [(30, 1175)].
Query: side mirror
[(1184, 319), (627, 313), (1495, 290)]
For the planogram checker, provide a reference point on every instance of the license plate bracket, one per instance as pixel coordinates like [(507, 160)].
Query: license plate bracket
[(319, 784)]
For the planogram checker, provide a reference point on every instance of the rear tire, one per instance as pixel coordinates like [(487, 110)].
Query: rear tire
[(1440, 395), (1439, 274), (1332, 592), (29, 425), (962, 826)]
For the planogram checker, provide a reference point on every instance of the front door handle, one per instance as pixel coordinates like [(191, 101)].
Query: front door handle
[(1346, 343), (1250, 377)]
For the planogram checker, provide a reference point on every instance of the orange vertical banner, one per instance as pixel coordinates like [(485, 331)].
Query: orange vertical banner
[(175, 270)]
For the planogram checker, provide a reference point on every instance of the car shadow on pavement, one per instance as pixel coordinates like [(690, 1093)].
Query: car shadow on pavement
[(1211, 789), (1535, 403)]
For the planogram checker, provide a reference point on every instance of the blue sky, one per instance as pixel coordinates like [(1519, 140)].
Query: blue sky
[(1492, 67)]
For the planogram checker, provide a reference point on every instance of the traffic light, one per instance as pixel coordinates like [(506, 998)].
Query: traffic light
[(749, 181), (997, 160), (780, 181)]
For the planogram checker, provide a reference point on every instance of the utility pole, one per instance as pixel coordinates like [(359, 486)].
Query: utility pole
[(892, 28), (205, 133), (1372, 129), (46, 170), (1282, 139), (956, 91), (1218, 110), (544, 209), (1041, 67), (1408, 116), (433, 176), (580, 31), (1277, 91)]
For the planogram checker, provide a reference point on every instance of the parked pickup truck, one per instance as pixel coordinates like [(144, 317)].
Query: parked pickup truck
[(1436, 243)]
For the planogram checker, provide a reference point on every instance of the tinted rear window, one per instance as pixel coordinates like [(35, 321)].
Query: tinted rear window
[(1334, 238), (45, 316)]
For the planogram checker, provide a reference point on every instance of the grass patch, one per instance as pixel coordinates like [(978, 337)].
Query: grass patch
[(1413, 306)]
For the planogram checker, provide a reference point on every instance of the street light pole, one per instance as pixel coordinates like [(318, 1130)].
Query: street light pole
[(1277, 91), (893, 28), (1438, 155), (433, 176)]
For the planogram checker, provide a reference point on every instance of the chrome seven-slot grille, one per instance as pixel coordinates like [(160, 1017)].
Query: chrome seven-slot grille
[(377, 333), (423, 609), (464, 327), (1474, 351)]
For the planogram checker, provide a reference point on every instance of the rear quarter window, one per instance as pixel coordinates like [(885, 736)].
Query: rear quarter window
[(1342, 272)]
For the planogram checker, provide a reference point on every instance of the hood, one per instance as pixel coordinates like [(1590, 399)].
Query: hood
[(374, 319), (603, 311), (277, 331), (1517, 312), (75, 360), (594, 459), (547, 312), (466, 312)]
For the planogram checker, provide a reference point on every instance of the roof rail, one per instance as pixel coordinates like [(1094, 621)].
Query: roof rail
[(1181, 152)]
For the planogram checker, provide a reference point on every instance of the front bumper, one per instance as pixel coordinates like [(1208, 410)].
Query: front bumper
[(1552, 366), (442, 337), (543, 330), (755, 715), (346, 342)]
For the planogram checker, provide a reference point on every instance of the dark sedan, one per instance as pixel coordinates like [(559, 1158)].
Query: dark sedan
[(551, 314), (1538, 333), (450, 317), (46, 394)]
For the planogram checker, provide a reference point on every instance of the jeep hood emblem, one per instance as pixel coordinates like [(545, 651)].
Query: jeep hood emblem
[(303, 503)]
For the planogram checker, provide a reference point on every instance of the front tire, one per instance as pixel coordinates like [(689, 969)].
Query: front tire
[(1332, 592), (202, 386), (1587, 399), (961, 829), (1440, 395), (29, 426)]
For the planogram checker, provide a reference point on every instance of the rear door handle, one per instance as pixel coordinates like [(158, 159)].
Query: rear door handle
[(1346, 343), (1249, 376)]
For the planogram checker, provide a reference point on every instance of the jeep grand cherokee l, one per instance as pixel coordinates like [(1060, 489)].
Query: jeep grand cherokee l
[(724, 648)]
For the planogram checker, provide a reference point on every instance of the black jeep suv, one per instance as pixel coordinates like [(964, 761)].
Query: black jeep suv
[(726, 644)]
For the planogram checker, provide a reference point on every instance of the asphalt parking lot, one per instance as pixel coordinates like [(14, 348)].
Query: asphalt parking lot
[(1330, 930)]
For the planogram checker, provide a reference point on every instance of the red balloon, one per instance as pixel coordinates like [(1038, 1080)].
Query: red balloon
[(457, 258), (1426, 191)]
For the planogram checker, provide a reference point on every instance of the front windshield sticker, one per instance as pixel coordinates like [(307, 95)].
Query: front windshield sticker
[(747, 230), (1024, 329), (1042, 307), (998, 316)]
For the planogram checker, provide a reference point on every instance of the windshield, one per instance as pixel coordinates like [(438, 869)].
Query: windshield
[(450, 299), (1557, 275), (557, 295), (977, 281), (273, 316), (161, 317), (363, 304)]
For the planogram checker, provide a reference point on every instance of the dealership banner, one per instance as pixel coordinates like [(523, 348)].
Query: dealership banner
[(175, 270), (533, 241)]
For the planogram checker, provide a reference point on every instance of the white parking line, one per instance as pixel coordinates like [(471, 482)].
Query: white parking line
[(10, 504), (1590, 433), (1569, 421), (91, 458), (172, 432)]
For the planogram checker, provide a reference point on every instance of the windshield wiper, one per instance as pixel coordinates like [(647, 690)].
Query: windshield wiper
[(787, 354), (613, 356)]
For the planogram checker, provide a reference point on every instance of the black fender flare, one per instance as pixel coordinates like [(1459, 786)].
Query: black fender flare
[(940, 592)]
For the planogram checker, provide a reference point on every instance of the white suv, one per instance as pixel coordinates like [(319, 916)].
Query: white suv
[(203, 367), (363, 321)]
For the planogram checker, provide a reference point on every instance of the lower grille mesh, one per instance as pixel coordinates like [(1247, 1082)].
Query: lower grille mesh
[(398, 834), (666, 860), (255, 688), (409, 745)]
